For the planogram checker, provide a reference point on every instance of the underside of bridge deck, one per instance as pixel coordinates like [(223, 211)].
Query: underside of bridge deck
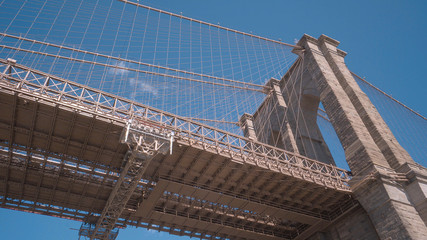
[(59, 160)]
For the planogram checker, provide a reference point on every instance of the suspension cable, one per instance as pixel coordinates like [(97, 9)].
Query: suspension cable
[(212, 120), (209, 24), (389, 96), (264, 90), (131, 61)]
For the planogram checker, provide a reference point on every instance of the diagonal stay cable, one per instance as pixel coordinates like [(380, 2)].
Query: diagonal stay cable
[(389, 96), (130, 61), (263, 90)]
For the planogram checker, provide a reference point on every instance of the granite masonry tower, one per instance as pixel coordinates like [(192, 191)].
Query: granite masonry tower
[(388, 184)]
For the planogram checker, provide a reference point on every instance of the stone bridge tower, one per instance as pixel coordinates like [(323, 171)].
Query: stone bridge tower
[(388, 184)]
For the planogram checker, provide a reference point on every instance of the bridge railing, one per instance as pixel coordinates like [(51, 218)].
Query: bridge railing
[(77, 96)]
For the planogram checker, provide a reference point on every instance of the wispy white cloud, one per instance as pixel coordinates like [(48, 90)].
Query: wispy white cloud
[(119, 71), (142, 87)]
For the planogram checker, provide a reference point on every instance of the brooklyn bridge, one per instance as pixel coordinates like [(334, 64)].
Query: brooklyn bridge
[(119, 114)]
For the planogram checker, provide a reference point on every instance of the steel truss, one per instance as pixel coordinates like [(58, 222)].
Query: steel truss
[(250, 221), (28, 81), (108, 205), (144, 143)]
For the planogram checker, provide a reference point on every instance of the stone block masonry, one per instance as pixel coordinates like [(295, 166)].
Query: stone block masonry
[(395, 206)]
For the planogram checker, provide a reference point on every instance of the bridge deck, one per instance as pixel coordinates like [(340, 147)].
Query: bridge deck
[(62, 157)]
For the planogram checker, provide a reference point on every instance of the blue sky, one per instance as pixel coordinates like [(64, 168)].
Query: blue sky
[(385, 41)]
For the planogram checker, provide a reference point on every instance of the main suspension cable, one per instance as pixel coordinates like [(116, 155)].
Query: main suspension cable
[(208, 24)]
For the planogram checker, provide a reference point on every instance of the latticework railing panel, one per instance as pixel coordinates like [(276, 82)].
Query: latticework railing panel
[(36, 84)]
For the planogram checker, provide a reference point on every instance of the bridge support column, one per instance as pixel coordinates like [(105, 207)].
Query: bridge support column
[(247, 124), (279, 119), (270, 123), (300, 93), (372, 152), (397, 157)]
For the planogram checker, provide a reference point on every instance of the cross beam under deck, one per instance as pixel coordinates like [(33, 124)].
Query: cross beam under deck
[(144, 141)]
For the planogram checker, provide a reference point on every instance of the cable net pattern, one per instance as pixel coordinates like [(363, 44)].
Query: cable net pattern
[(409, 127), (197, 70), (200, 71), (185, 67)]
